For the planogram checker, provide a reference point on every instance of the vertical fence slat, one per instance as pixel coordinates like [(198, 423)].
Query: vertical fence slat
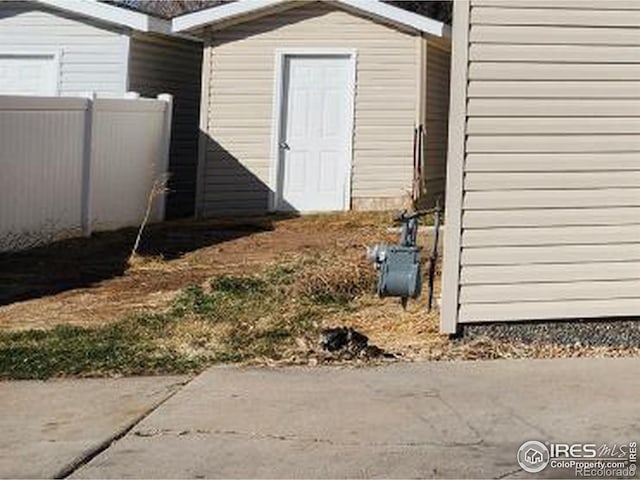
[(86, 166), (163, 163), (72, 165)]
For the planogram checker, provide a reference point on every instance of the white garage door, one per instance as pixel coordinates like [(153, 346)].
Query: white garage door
[(316, 132), (28, 74)]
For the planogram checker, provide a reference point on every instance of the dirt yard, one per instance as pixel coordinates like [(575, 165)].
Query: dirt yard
[(88, 281), (254, 289)]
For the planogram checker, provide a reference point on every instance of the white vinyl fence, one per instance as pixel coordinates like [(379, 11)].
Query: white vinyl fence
[(70, 166)]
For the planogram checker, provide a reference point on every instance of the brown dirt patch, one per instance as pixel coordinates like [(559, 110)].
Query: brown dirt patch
[(89, 281)]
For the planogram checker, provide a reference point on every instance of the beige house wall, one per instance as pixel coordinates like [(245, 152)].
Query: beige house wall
[(240, 64), (544, 176), (436, 120)]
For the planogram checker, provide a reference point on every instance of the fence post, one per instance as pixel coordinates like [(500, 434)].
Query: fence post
[(163, 163), (87, 149)]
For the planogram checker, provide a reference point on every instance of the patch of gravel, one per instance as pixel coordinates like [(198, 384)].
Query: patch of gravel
[(589, 333)]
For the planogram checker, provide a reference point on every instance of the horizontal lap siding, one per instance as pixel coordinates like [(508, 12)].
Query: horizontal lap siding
[(551, 201), (168, 65), (241, 87), (437, 117), (93, 56)]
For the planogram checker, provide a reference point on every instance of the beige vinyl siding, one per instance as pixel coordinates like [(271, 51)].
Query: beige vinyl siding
[(161, 64), (93, 56), (562, 4), (437, 118), (241, 88), (551, 189)]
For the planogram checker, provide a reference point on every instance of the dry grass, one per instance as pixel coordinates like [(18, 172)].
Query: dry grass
[(328, 279), (273, 315), (256, 290)]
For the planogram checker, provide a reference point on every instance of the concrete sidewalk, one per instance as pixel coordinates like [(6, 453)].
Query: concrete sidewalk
[(402, 420), (48, 428)]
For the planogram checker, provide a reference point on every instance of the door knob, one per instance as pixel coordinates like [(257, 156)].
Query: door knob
[(284, 146)]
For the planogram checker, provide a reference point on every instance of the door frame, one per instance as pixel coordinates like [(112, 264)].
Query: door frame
[(55, 54), (278, 116)]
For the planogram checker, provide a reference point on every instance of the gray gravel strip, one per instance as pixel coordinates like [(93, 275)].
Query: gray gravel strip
[(597, 332)]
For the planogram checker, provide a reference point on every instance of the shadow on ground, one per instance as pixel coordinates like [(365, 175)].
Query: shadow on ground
[(78, 263), (82, 262)]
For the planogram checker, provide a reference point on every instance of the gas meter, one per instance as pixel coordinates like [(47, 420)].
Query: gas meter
[(399, 265)]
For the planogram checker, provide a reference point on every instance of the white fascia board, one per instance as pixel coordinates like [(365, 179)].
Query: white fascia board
[(375, 8), (112, 14), (220, 13), (400, 16)]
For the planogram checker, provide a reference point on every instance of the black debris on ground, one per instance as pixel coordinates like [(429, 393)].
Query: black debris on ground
[(347, 343), (590, 333)]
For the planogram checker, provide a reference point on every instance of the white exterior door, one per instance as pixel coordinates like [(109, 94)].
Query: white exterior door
[(315, 133), (28, 74)]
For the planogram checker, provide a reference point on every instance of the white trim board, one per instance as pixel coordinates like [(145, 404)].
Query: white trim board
[(220, 13), (277, 116), (449, 311), (203, 132), (374, 8)]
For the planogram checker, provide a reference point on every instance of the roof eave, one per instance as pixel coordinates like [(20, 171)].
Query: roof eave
[(400, 16), (219, 13), (375, 8), (113, 15)]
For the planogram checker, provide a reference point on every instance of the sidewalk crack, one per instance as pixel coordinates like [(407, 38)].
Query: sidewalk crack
[(507, 474), (91, 453)]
